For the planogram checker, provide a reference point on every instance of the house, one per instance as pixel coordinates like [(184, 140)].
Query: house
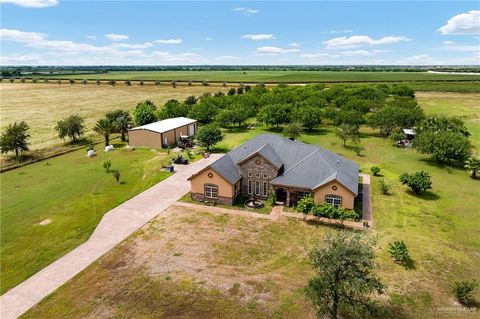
[(162, 133), (271, 163)]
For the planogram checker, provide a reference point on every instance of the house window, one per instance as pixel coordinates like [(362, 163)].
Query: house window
[(250, 174), (257, 188), (265, 188), (265, 176), (257, 175), (211, 191), (334, 200), (249, 184)]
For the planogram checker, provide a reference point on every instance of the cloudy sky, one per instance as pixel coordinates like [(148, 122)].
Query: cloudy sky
[(62, 32)]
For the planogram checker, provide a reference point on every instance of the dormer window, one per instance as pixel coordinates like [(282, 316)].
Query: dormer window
[(249, 174)]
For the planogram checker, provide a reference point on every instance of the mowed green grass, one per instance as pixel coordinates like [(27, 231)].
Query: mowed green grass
[(73, 192), (272, 76), (440, 229)]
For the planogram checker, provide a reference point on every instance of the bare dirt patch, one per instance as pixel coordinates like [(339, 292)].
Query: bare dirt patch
[(45, 222)]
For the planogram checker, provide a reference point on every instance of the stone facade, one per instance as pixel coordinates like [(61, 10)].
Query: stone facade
[(257, 170), (220, 200)]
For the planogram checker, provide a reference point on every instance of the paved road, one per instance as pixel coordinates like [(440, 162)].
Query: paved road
[(116, 225)]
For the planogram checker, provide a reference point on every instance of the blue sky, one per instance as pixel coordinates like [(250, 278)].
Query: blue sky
[(228, 32)]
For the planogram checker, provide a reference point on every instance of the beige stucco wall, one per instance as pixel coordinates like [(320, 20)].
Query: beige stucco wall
[(225, 189), (144, 138), (170, 135), (347, 195)]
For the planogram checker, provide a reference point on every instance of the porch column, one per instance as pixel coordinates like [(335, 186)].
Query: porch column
[(288, 197)]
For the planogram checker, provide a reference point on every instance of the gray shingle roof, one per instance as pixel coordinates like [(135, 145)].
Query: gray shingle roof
[(304, 165)]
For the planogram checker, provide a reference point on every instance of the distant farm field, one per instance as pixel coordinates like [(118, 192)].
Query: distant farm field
[(42, 105), (273, 76)]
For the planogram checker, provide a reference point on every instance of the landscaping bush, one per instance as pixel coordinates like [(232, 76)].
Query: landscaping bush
[(418, 182), (116, 175), (329, 211), (383, 187), (463, 291), (306, 205), (399, 251), (106, 165), (375, 170)]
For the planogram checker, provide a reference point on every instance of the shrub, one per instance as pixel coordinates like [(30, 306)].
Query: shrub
[(106, 165), (463, 291), (399, 251), (418, 182), (292, 130), (271, 198), (306, 205), (375, 170), (116, 175), (383, 187), (357, 148)]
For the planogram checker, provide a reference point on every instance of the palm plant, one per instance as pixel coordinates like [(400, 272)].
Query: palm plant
[(104, 127), (123, 123), (473, 164)]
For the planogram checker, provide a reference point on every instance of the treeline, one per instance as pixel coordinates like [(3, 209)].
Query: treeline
[(8, 71)]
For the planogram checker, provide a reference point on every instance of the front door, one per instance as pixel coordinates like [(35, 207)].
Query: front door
[(191, 129), (165, 141), (281, 195)]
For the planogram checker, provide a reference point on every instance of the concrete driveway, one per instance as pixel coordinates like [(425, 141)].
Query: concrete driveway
[(115, 226)]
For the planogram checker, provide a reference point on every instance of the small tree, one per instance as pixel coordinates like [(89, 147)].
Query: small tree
[(306, 206), (104, 127), (123, 123), (128, 83), (144, 113), (357, 148), (209, 135), (344, 263), (347, 132), (84, 82), (418, 182), (112, 82), (383, 187), (158, 83), (399, 251), (292, 131), (142, 82), (106, 165), (473, 164), (116, 175), (463, 291), (174, 83), (15, 138), (232, 91), (72, 82), (72, 127), (98, 82), (375, 170)]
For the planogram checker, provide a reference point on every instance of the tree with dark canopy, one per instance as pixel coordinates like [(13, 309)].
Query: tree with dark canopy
[(15, 138)]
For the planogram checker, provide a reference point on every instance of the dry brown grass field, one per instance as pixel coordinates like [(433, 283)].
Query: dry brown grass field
[(42, 105)]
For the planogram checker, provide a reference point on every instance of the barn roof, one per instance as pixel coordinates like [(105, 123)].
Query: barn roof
[(165, 125)]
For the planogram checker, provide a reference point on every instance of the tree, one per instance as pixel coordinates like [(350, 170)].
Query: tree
[(204, 111), (173, 108), (144, 113), (463, 291), (106, 165), (292, 130), (439, 123), (190, 100), (443, 146), (128, 83), (232, 91), (123, 123), (402, 90), (344, 263), (473, 164), (116, 175), (399, 251), (308, 116), (72, 127), (234, 114), (348, 132), (209, 135), (15, 138), (418, 182), (274, 114), (112, 82), (357, 148), (104, 127)]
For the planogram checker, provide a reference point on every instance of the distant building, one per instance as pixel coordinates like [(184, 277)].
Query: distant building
[(162, 133), (271, 163)]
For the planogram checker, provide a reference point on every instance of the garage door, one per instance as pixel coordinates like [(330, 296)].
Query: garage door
[(191, 129)]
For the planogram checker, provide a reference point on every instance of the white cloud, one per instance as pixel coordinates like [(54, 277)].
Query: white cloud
[(207, 39), (246, 11), (116, 37), (91, 37), (257, 37), (338, 31), (361, 40), (20, 36), (226, 57), (314, 55), (32, 3), (294, 44), (356, 53), (169, 41), (453, 46), (267, 50), (448, 42), (133, 46), (464, 23)]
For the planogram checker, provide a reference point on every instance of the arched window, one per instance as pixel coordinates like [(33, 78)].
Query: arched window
[(211, 191), (334, 200)]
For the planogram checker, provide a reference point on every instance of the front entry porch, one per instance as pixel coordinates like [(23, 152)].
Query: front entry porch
[(282, 196)]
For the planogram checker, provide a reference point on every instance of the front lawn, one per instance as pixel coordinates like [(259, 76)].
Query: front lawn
[(69, 195)]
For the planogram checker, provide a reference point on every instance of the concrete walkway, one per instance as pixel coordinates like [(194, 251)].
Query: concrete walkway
[(116, 225), (366, 199)]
